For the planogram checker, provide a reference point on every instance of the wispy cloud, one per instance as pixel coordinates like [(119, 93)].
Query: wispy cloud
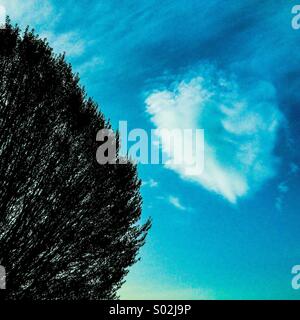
[(176, 203), (69, 42), (294, 168), (35, 13), (90, 65), (278, 203), (151, 183), (29, 11), (240, 124), (284, 187)]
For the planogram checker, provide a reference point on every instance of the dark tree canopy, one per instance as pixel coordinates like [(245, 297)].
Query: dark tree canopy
[(69, 227)]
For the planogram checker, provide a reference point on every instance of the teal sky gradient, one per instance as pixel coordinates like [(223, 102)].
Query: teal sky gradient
[(210, 248)]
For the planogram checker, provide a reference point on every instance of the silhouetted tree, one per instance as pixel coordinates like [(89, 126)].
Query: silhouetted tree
[(68, 226)]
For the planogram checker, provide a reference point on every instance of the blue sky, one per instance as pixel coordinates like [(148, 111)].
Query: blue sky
[(234, 231)]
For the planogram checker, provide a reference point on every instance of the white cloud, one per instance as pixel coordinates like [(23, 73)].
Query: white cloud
[(240, 125), (176, 203)]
